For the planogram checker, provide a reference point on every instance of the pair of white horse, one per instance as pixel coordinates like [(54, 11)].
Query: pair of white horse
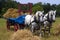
[(40, 18)]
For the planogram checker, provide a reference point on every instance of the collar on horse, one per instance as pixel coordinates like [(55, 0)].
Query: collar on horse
[(48, 19)]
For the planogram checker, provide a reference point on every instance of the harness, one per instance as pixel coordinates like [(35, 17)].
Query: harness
[(37, 21), (34, 20), (48, 19)]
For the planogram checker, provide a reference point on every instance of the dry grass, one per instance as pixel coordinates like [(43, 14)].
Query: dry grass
[(56, 30), (5, 35), (23, 35)]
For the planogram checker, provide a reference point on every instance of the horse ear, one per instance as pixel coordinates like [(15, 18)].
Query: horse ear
[(55, 10), (43, 11)]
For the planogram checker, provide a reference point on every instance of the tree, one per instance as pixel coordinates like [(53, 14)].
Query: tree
[(58, 10), (53, 7), (37, 7), (46, 7), (5, 4)]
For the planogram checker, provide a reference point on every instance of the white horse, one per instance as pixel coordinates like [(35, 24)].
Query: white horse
[(49, 18), (30, 19), (39, 16), (37, 20)]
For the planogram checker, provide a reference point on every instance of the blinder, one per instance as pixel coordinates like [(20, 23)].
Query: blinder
[(50, 19)]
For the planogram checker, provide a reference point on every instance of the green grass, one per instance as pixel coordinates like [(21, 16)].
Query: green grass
[(5, 35)]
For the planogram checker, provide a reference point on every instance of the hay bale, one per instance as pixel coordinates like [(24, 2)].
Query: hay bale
[(15, 15), (11, 13), (23, 35), (56, 30)]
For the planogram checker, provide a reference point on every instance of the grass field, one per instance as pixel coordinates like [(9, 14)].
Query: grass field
[(5, 35)]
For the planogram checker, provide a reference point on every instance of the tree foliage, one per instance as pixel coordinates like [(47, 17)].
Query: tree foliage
[(6, 4), (58, 10), (37, 7), (46, 7)]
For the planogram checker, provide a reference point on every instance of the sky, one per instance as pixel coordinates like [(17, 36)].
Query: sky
[(36, 1)]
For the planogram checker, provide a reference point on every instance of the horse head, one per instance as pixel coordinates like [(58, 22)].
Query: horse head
[(54, 15), (51, 15), (39, 16)]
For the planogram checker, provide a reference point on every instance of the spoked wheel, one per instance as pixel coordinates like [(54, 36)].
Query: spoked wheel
[(15, 27)]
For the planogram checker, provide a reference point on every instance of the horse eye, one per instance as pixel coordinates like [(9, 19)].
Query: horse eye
[(40, 15), (54, 13), (51, 15)]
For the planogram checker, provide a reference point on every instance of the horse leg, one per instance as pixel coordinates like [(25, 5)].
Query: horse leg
[(50, 28), (46, 28), (32, 27), (41, 31)]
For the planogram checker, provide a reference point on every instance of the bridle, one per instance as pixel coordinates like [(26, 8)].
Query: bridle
[(50, 19)]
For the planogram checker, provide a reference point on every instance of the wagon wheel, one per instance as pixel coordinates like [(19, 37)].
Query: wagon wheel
[(8, 25), (16, 27)]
